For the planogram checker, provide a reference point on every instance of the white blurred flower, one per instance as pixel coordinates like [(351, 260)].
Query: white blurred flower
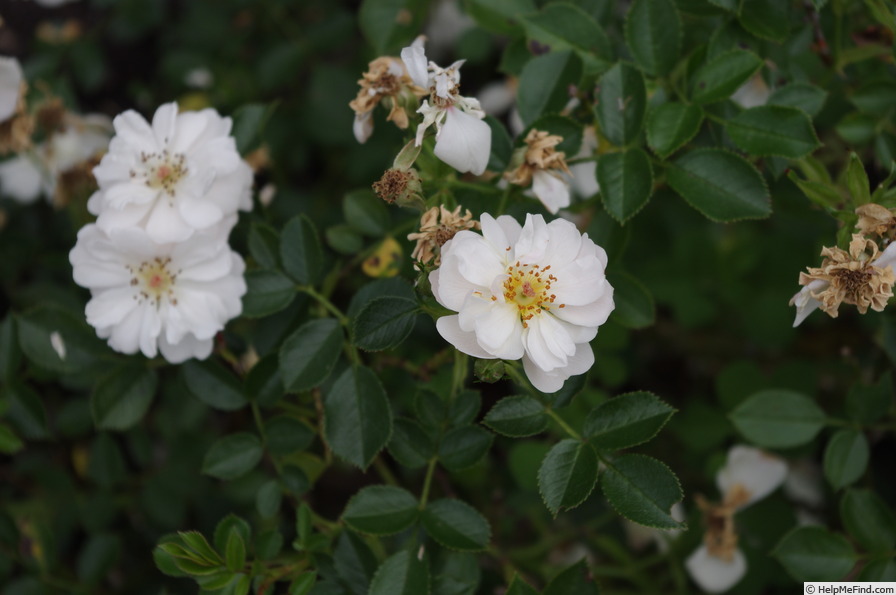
[(584, 175), (180, 174), (714, 574), (151, 297), (804, 483), (753, 93), (536, 293), (10, 86), (58, 344), (750, 474), (199, 78), (463, 140)]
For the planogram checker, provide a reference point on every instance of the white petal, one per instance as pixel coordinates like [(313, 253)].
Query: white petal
[(714, 575), (589, 315), (464, 143), (10, 85), (165, 225), (564, 243), (551, 382), (547, 343), (463, 341), (805, 303), (414, 58), (164, 124), (755, 470), (20, 179), (552, 191), (887, 257), (132, 129), (497, 326), (363, 126), (189, 346), (532, 244), (108, 308)]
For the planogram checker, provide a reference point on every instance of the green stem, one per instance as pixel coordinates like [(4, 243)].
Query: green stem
[(384, 471), (259, 422), (427, 482), (459, 374), (484, 188), (327, 304), (505, 197), (566, 427)]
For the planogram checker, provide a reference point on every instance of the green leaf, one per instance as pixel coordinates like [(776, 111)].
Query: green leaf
[(384, 323), (878, 571), (518, 417), (634, 303), (303, 584), (381, 510), (264, 245), (300, 250), (232, 456), (518, 586), (721, 76), (567, 475), (857, 181), (456, 525), (26, 411), (875, 98), (263, 383), (122, 398), (565, 26), (248, 124), (366, 213), (97, 557), (502, 145), (10, 354), (286, 435), (671, 125), (653, 33), (621, 101), (626, 182), (386, 25), (401, 574), (773, 130), (354, 563), (821, 193), (846, 458), (499, 16), (267, 292), (626, 421), (223, 528), (197, 542), (868, 404), (815, 554), (856, 128), (268, 499), (309, 354), (464, 408), (868, 519), (721, 185), (801, 95), (38, 330), (343, 239), (768, 19), (463, 447), (9, 442), (214, 385), (642, 490), (778, 419), (235, 551), (544, 84), (410, 445), (572, 581), (358, 419)]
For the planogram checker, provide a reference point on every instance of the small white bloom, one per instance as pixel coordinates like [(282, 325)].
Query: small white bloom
[(584, 175), (753, 93), (10, 86), (752, 472), (463, 140), (804, 483), (151, 297), (21, 178), (713, 574), (536, 293), (199, 78), (180, 174)]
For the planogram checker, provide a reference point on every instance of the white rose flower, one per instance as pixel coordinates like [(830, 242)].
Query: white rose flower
[(153, 297), (463, 140), (10, 86), (536, 293), (180, 174), (714, 574), (752, 472)]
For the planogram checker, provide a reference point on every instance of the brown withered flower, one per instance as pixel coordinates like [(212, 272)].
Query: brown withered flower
[(859, 277), (876, 220), (541, 166), (385, 80), (437, 226), (16, 130)]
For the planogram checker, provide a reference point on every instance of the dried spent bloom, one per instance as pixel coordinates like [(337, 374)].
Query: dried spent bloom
[(180, 174), (542, 166), (437, 226), (385, 80), (399, 185), (862, 277), (749, 474), (876, 220), (535, 292), (170, 298), (463, 140)]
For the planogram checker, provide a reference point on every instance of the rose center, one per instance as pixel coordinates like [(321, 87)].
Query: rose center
[(529, 287), (163, 171), (155, 281)]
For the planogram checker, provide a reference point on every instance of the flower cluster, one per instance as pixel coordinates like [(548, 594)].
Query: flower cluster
[(749, 475), (157, 261), (535, 292), (386, 80)]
